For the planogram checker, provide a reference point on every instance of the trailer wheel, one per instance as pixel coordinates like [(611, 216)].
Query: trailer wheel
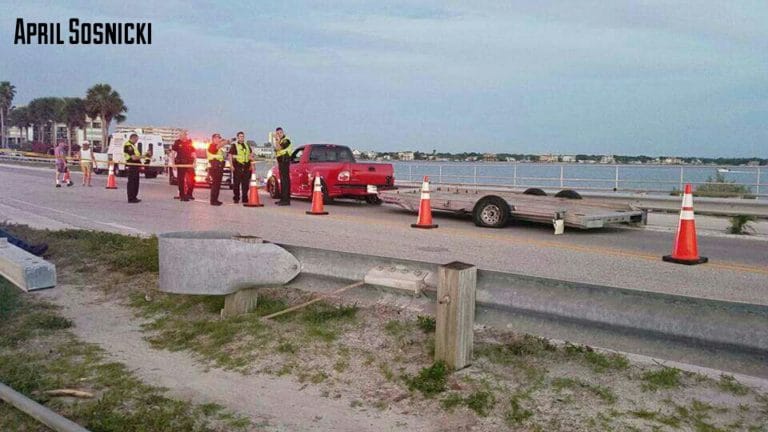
[(568, 193), (534, 191), (491, 212)]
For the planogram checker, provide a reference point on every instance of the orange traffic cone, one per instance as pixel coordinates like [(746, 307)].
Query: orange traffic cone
[(253, 193), (425, 208), (317, 198), (111, 182), (685, 250)]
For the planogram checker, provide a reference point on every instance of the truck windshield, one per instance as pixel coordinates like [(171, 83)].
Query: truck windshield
[(321, 153)]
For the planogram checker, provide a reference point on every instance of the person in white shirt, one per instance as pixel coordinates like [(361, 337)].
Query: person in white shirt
[(86, 162)]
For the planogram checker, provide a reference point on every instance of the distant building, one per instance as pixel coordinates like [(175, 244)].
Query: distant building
[(489, 157), (568, 158), (92, 133), (607, 159), (510, 159), (671, 161), (753, 163), (548, 158), (405, 156)]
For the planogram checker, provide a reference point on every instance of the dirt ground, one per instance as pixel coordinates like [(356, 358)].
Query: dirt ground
[(364, 363)]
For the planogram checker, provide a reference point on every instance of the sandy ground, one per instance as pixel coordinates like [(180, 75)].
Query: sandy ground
[(273, 403)]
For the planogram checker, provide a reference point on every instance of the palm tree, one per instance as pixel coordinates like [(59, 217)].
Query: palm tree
[(19, 117), (45, 111), (73, 114), (7, 93), (104, 103)]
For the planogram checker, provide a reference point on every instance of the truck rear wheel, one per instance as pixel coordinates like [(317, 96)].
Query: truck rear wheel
[(373, 199), (491, 212), (274, 193), (534, 191)]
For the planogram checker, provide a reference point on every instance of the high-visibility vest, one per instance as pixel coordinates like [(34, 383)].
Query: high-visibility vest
[(134, 151), (217, 156), (243, 155), (285, 147)]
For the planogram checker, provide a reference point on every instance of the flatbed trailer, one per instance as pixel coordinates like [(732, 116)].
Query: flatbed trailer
[(495, 209)]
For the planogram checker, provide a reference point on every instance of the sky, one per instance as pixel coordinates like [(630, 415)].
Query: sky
[(683, 78)]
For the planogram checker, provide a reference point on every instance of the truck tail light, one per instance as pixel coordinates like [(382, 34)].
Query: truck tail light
[(343, 176)]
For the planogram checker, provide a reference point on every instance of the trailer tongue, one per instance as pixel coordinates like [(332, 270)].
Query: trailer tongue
[(494, 209)]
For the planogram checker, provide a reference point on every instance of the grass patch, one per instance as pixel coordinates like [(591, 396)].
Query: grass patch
[(430, 380), (517, 414), (729, 384), (598, 362), (426, 323), (116, 252), (604, 393), (122, 402), (664, 378), (479, 401)]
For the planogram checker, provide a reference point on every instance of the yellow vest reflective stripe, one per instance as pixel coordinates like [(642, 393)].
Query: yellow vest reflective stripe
[(284, 151), (243, 154), (127, 156)]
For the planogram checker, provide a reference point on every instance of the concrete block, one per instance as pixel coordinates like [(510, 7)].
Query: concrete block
[(25, 270), (402, 278), (220, 263)]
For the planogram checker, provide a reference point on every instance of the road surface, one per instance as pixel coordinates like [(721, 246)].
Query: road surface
[(627, 258)]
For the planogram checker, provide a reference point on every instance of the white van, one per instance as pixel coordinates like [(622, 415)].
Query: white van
[(150, 146)]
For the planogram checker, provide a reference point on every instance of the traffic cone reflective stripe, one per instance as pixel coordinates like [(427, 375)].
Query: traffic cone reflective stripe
[(317, 198), (685, 249), (111, 181), (425, 208), (253, 193)]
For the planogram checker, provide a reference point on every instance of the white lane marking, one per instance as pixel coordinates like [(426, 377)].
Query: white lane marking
[(109, 224)]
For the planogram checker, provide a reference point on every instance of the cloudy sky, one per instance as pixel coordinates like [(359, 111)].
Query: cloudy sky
[(624, 77)]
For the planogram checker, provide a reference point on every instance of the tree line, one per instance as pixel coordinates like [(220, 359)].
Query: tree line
[(101, 102)]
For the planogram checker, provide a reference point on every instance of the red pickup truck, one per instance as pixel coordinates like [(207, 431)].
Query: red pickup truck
[(340, 175)]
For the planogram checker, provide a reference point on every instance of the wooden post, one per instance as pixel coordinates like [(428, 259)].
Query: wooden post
[(239, 302), (455, 319)]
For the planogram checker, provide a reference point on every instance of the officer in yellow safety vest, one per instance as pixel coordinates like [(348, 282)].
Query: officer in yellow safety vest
[(283, 152), (215, 167), (132, 156), (241, 158)]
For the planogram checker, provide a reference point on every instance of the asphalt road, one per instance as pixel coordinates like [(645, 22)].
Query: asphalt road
[(627, 258)]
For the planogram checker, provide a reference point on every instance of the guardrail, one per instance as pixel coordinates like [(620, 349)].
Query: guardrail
[(617, 178)]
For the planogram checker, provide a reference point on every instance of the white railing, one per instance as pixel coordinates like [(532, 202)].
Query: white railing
[(675, 176)]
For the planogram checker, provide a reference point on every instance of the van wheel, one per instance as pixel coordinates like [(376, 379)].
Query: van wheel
[(272, 188), (491, 212), (373, 199), (568, 193), (534, 191), (150, 175)]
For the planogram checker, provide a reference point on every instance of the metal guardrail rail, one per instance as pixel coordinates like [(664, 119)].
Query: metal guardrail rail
[(473, 176)]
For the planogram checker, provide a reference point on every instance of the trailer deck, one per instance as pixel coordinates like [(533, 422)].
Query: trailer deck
[(495, 209)]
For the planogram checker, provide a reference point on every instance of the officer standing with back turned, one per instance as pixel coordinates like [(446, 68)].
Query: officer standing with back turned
[(216, 167), (132, 156)]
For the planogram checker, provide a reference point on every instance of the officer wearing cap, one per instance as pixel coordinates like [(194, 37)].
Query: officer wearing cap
[(215, 166)]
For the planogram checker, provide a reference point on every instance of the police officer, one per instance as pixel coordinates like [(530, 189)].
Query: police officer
[(132, 158), (184, 154), (241, 157), (283, 152), (216, 167)]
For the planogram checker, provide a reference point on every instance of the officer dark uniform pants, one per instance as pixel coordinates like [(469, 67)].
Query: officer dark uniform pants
[(182, 179), (284, 166), (133, 182), (241, 179), (216, 171)]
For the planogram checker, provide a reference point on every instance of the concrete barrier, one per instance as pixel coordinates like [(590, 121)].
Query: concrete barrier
[(25, 270), (221, 263)]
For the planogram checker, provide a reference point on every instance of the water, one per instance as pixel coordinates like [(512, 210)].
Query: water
[(647, 178)]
